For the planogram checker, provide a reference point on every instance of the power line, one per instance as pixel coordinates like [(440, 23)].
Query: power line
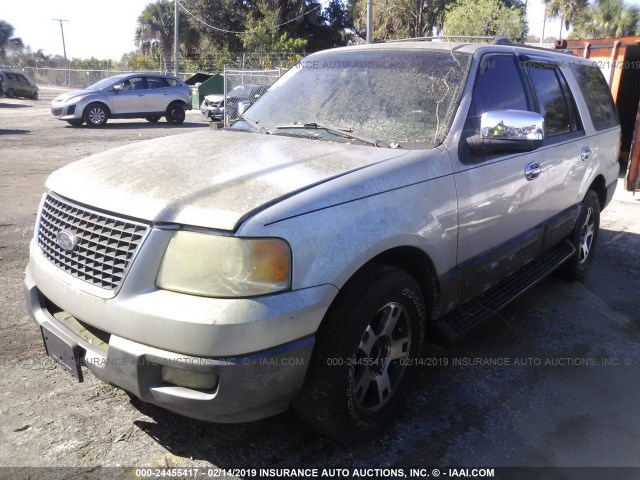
[(246, 32)]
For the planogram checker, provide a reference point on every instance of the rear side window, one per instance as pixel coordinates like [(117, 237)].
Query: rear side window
[(597, 96), (173, 82), (554, 100), (498, 85), (155, 82)]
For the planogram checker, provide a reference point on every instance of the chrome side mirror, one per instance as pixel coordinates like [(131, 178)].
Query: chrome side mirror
[(118, 88), (504, 131)]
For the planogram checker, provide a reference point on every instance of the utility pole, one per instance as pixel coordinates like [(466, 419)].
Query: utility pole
[(369, 21), (64, 47), (175, 40)]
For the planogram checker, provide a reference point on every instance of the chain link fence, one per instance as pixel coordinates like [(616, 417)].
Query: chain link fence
[(242, 88), (73, 78)]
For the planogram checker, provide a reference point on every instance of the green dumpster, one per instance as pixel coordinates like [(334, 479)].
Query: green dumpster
[(203, 84)]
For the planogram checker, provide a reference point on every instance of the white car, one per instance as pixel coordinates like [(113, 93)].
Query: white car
[(125, 96)]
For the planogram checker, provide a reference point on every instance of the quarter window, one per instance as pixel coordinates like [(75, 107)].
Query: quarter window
[(597, 96)]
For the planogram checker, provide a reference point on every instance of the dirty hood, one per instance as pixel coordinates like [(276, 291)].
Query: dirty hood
[(207, 178)]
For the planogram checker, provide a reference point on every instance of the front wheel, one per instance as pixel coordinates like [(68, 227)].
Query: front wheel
[(361, 366), (175, 114), (34, 96), (584, 237), (96, 115), (10, 93)]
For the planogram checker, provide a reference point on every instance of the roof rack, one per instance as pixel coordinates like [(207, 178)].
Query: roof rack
[(445, 37)]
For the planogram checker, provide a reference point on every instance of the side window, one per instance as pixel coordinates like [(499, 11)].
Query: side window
[(597, 96), (173, 82), (554, 100), (135, 83), (155, 82), (498, 86)]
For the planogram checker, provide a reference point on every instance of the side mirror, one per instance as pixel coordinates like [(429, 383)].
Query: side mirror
[(118, 88), (508, 131)]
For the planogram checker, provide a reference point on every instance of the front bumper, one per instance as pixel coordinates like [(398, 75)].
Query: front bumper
[(247, 387), (66, 112)]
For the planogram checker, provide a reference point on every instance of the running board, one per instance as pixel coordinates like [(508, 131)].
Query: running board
[(465, 319)]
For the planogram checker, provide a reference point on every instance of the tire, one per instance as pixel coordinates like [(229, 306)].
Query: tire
[(153, 119), (95, 115), (34, 96), (584, 237), (10, 93), (175, 114), (75, 123), (359, 373)]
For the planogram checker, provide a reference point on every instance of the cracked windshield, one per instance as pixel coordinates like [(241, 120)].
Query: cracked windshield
[(386, 99)]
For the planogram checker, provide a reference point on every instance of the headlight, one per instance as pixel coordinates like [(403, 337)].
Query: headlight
[(217, 266)]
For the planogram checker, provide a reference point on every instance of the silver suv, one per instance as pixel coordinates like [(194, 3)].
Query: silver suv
[(125, 96), (384, 196)]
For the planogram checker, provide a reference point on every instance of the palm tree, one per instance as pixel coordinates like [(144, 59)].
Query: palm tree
[(566, 10), (154, 33), (607, 18)]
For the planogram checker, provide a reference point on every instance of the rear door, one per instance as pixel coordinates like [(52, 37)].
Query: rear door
[(563, 166), (159, 94)]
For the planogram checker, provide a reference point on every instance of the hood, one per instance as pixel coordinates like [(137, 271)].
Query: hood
[(214, 98), (69, 95), (208, 178)]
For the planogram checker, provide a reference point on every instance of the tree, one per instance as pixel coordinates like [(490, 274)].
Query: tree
[(485, 18), (565, 10), (264, 35), (393, 19), (607, 18), (6, 38), (155, 30)]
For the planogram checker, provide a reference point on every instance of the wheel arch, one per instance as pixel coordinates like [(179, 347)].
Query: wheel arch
[(99, 102), (416, 263), (598, 185)]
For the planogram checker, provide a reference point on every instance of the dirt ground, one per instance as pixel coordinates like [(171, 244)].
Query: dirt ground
[(571, 401)]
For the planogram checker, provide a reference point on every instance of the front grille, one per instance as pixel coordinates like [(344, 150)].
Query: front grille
[(105, 244), (56, 112)]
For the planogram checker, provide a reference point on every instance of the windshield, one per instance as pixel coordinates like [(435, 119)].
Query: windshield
[(242, 91), (396, 97), (103, 83)]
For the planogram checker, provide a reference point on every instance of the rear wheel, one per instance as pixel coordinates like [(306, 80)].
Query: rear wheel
[(153, 119), (584, 237), (96, 115), (360, 369), (34, 96), (175, 114)]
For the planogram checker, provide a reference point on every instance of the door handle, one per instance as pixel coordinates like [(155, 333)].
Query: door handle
[(532, 170), (585, 153)]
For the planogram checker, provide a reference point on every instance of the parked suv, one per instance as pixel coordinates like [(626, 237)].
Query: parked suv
[(384, 196), (125, 96), (15, 84)]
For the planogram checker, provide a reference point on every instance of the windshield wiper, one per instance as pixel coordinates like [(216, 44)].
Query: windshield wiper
[(344, 132)]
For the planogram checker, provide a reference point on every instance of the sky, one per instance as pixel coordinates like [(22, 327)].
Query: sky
[(105, 29)]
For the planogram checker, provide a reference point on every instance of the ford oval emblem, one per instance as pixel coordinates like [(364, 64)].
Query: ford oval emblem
[(66, 240)]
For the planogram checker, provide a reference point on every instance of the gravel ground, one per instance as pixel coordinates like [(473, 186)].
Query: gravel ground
[(571, 401)]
